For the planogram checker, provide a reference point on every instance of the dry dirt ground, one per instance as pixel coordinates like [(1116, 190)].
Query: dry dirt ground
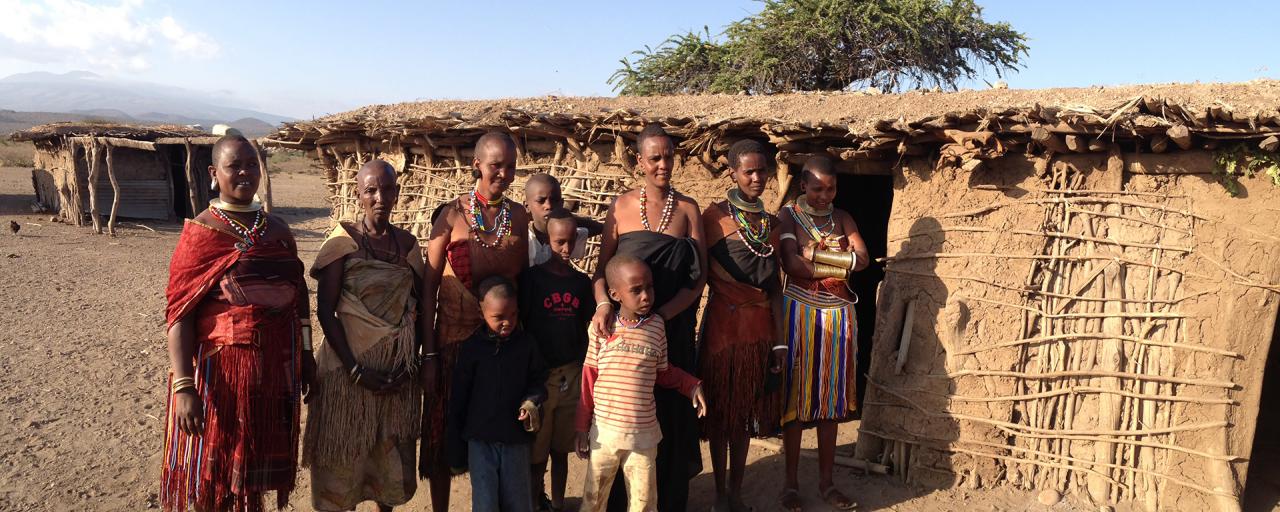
[(82, 373)]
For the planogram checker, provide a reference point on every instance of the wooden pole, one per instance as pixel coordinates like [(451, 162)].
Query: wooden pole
[(115, 189), (266, 176), (191, 180), (1109, 360), (904, 343), (94, 171)]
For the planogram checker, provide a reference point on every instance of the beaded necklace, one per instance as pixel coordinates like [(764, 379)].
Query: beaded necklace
[(800, 211), (756, 240), (500, 229), (667, 206), (248, 235), (639, 321)]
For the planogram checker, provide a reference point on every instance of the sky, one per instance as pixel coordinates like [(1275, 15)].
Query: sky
[(306, 59)]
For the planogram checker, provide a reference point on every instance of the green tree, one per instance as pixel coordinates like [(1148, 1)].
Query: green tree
[(828, 45)]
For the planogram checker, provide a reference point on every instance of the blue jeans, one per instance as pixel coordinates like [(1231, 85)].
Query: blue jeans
[(499, 477)]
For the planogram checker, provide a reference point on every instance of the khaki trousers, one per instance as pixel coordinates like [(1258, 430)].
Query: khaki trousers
[(639, 473)]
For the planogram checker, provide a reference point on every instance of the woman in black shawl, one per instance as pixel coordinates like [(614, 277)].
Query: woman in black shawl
[(664, 228)]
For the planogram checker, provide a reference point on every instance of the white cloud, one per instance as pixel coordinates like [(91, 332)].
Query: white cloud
[(117, 37)]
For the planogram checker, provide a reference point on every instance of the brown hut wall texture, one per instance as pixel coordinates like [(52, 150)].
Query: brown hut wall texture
[(1088, 331)]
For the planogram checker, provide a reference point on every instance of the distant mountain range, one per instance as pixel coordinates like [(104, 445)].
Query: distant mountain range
[(27, 99)]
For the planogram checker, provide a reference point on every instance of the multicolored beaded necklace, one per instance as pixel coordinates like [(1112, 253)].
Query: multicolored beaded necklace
[(248, 235), (668, 206), (803, 214), (502, 223), (638, 322), (757, 240)]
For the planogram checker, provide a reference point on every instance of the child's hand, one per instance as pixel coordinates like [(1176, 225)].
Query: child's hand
[(699, 401), (583, 445), (529, 416)]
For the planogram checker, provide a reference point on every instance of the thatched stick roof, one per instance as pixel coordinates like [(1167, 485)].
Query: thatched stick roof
[(868, 123), (111, 130)]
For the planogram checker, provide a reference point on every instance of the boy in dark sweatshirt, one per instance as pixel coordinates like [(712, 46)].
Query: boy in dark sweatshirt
[(498, 386), (556, 303)]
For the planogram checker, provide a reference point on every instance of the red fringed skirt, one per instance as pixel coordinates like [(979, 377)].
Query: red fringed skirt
[(737, 338), (251, 394)]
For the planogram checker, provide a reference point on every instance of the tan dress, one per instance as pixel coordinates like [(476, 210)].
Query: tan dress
[(358, 445)]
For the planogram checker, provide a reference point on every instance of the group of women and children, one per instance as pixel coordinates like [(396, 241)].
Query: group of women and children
[(497, 354)]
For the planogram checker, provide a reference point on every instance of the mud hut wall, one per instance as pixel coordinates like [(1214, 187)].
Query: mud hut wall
[(1057, 303), (147, 179)]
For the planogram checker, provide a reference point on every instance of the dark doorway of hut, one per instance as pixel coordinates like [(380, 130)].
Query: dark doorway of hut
[(175, 156), (868, 198), (1262, 488)]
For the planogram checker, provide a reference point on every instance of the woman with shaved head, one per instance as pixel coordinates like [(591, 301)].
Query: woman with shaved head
[(478, 235), (663, 228), (239, 348), (363, 426)]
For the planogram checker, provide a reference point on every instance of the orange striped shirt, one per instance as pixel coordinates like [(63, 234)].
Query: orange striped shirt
[(618, 377)]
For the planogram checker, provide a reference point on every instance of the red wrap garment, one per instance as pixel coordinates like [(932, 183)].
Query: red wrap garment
[(247, 371)]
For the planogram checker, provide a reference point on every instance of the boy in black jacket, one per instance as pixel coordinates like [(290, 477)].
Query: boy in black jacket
[(498, 386)]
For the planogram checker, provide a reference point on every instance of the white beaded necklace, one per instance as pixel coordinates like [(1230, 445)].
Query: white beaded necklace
[(668, 206)]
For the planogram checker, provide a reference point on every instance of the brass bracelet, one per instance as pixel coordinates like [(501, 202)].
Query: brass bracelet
[(823, 271), (845, 260)]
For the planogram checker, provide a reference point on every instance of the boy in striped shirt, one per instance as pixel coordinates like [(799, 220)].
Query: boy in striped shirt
[(617, 421)]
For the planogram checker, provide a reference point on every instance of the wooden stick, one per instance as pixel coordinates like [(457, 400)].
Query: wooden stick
[(115, 189), (192, 183), (1091, 374), (1054, 234), (266, 176), (904, 342), (1036, 292), (94, 172), (941, 255), (1081, 200)]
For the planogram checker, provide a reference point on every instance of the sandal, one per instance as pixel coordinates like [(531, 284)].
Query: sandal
[(790, 500), (837, 500)]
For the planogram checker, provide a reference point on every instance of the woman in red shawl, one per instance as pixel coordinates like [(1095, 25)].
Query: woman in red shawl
[(239, 348), (478, 235)]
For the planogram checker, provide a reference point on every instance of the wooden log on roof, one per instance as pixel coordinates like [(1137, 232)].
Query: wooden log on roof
[(1159, 143), (1076, 143), (1270, 144), (1097, 145), (1180, 135), (1049, 140), (118, 142), (199, 141)]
